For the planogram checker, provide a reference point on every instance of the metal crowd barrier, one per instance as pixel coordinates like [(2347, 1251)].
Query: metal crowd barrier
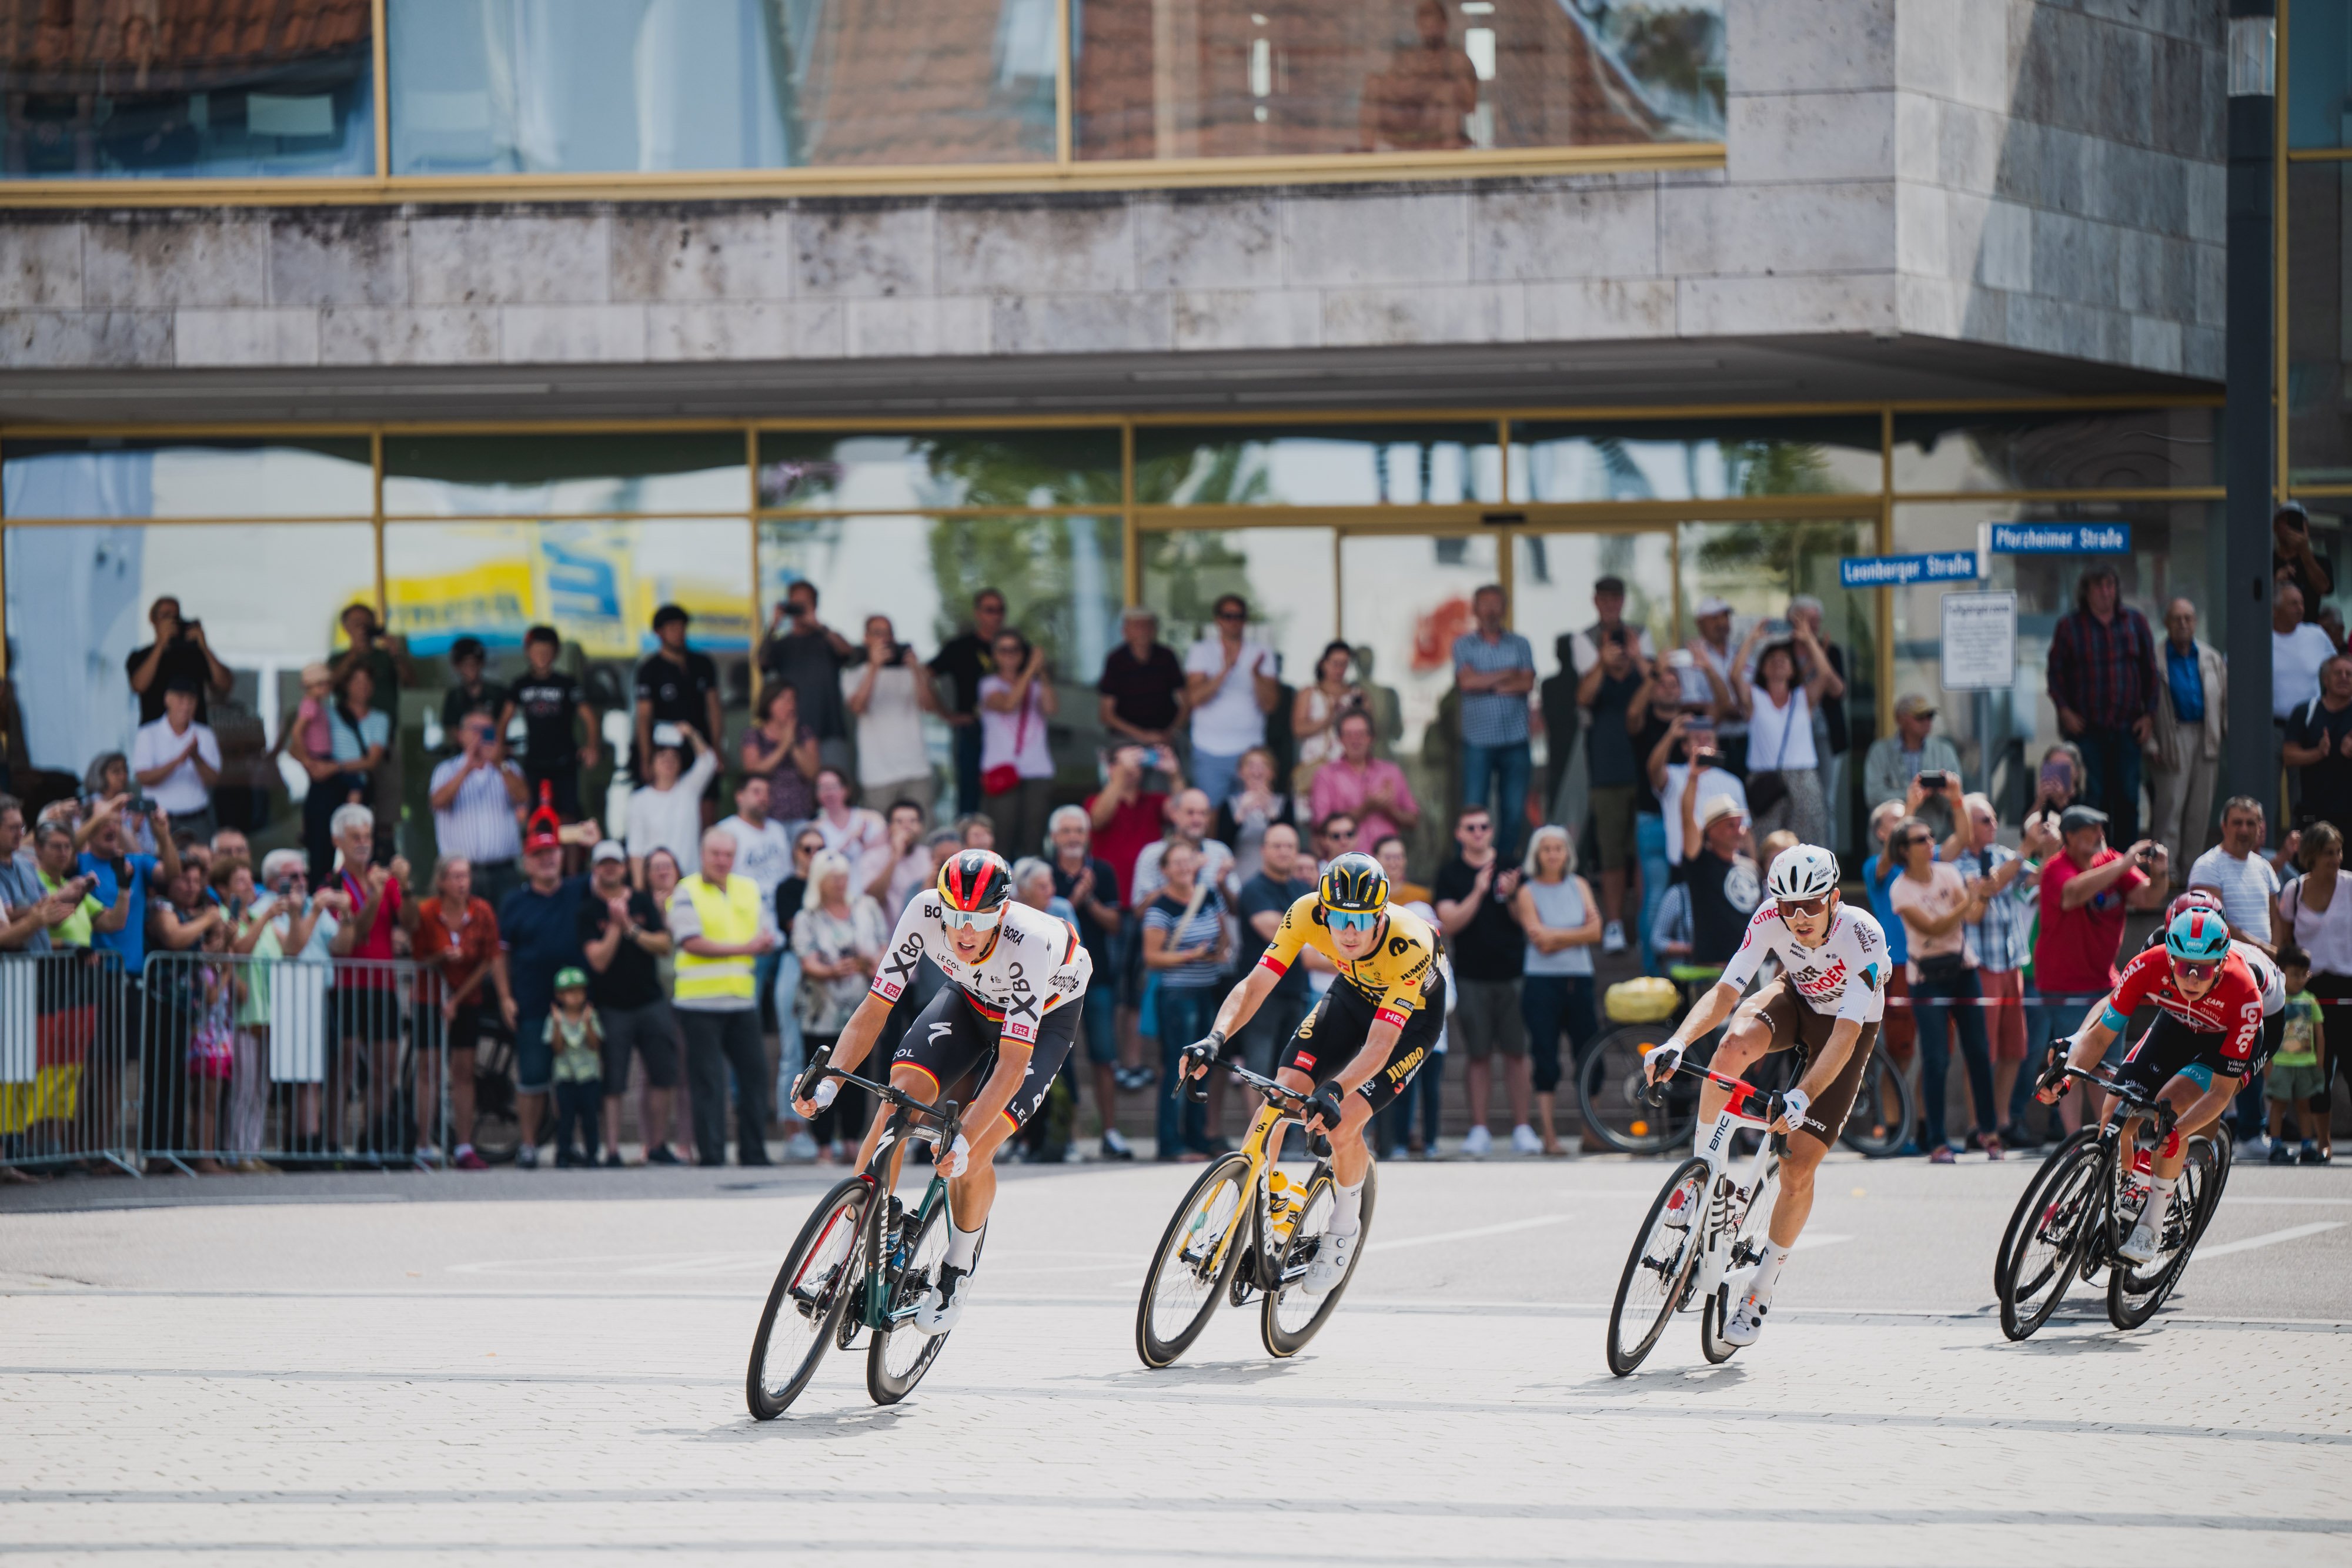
[(246, 1060), (65, 1074)]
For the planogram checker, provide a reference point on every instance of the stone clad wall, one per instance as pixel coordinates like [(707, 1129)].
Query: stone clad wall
[(2016, 174)]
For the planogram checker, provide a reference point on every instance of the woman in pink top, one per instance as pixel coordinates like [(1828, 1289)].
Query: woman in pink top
[(1374, 792)]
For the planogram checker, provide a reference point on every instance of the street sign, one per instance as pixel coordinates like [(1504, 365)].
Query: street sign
[(2060, 538), (1900, 571), (1979, 645)]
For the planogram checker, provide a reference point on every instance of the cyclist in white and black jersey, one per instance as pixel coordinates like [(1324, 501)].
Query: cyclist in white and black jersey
[(1826, 1004), (1017, 982)]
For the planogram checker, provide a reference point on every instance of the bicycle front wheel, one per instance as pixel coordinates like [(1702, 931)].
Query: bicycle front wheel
[(1291, 1317), (1186, 1277), (1609, 1086), (1884, 1109), (899, 1353), (807, 1301), (2029, 1203), (1658, 1270), (2135, 1290), (2058, 1231)]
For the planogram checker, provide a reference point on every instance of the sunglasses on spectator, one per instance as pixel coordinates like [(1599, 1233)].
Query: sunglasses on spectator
[(1232, 614), (1807, 906), (969, 919), (1477, 827)]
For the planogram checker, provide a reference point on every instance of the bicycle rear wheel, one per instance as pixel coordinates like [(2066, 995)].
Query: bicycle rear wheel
[(2070, 1209), (1883, 1110), (1291, 1317), (1657, 1271), (2135, 1290), (898, 1355), (2004, 1261), (1180, 1291), (806, 1300), (1609, 1084)]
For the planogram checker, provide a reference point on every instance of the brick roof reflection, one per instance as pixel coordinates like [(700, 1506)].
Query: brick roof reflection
[(101, 39)]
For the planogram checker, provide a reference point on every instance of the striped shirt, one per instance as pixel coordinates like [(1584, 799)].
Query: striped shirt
[(1202, 930), (2002, 940), (2104, 673), (480, 822), (1493, 718)]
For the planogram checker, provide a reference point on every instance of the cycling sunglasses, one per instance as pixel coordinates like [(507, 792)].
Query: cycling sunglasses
[(1812, 906), (971, 919), (2188, 971), (1351, 919)]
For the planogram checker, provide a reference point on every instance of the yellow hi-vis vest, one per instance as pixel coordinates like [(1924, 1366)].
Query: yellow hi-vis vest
[(729, 914)]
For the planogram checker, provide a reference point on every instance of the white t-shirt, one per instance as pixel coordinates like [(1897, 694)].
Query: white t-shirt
[(890, 731), (1845, 976), (1713, 782), (863, 842), (1016, 737), (1588, 652), (1230, 722), (1036, 964), (2247, 887), (1780, 738), (181, 791), (672, 818), (763, 853), (2295, 658)]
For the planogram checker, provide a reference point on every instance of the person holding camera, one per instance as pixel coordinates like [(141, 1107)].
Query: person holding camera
[(675, 686), (1913, 750), (179, 654), (889, 697), (2087, 889), (804, 653)]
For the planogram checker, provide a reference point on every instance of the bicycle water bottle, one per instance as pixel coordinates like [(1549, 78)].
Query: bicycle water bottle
[(1280, 1201)]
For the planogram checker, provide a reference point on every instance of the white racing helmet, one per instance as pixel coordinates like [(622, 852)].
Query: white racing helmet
[(1807, 870)]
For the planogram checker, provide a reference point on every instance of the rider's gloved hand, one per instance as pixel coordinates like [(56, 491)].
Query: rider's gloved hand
[(825, 1093), (958, 1159), (1198, 1058), (1325, 1104), (1793, 1106), (1661, 1063), (2051, 1082)]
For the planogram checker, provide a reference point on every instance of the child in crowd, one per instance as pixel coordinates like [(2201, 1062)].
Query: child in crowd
[(2298, 1071), (579, 1044)]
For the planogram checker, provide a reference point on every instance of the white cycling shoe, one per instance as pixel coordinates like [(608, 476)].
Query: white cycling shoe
[(2141, 1244), (1330, 1265), (1747, 1324), (943, 1306)]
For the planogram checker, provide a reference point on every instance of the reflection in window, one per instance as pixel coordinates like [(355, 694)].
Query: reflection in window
[(2151, 449), (531, 475), (1192, 79), (1008, 468), (2319, 84), (2320, 425), (172, 88), (1284, 574), (281, 477), (77, 606), (572, 86), (1684, 462), (1373, 465)]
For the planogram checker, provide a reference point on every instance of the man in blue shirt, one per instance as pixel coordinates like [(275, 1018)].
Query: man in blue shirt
[(1495, 670), (106, 858), (2185, 735), (539, 935)]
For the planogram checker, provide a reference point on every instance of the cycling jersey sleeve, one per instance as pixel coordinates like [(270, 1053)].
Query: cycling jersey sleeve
[(1405, 970), (1297, 925), (2242, 1025), (1753, 945), (904, 955), (2148, 970)]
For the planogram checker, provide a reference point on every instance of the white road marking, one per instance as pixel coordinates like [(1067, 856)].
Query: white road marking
[(2268, 1238), (1808, 1242), (1504, 1229)]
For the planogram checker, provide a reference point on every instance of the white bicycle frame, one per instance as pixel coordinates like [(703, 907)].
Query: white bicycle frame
[(1723, 1242)]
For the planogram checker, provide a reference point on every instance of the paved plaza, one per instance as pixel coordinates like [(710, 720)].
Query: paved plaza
[(548, 1368)]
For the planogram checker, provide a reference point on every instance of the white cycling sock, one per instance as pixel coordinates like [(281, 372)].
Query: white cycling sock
[(1768, 1272), (2159, 1199), (1347, 1208), (1714, 1135), (962, 1246)]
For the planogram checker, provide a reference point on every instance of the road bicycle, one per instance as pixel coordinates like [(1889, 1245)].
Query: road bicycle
[(859, 1263), (1706, 1230), (1246, 1228), (2083, 1203), (1612, 1091)]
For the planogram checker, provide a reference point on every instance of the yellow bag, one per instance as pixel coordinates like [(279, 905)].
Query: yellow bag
[(1650, 999)]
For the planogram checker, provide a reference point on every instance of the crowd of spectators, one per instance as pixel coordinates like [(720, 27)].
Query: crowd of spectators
[(692, 961)]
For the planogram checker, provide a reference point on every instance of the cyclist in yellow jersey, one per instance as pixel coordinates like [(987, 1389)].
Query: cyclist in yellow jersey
[(1371, 1033)]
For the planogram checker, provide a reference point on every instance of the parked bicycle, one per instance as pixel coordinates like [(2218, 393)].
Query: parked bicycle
[(1246, 1228), (2080, 1208), (1704, 1232), (862, 1261)]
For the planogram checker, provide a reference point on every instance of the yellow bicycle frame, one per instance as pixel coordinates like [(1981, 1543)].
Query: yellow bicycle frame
[(1256, 1148)]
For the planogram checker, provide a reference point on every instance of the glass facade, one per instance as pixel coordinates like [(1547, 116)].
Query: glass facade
[(2316, 350), (1377, 532), (181, 89), (2319, 78)]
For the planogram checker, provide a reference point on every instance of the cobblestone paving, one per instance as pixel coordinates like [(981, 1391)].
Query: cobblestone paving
[(518, 1381)]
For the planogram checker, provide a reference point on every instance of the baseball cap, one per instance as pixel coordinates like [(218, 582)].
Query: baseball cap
[(569, 976), (2074, 818), (607, 850), (1712, 605), (1911, 704), (1716, 806), (541, 837)]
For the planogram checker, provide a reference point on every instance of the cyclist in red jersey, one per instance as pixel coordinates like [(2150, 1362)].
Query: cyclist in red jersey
[(2196, 1056)]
